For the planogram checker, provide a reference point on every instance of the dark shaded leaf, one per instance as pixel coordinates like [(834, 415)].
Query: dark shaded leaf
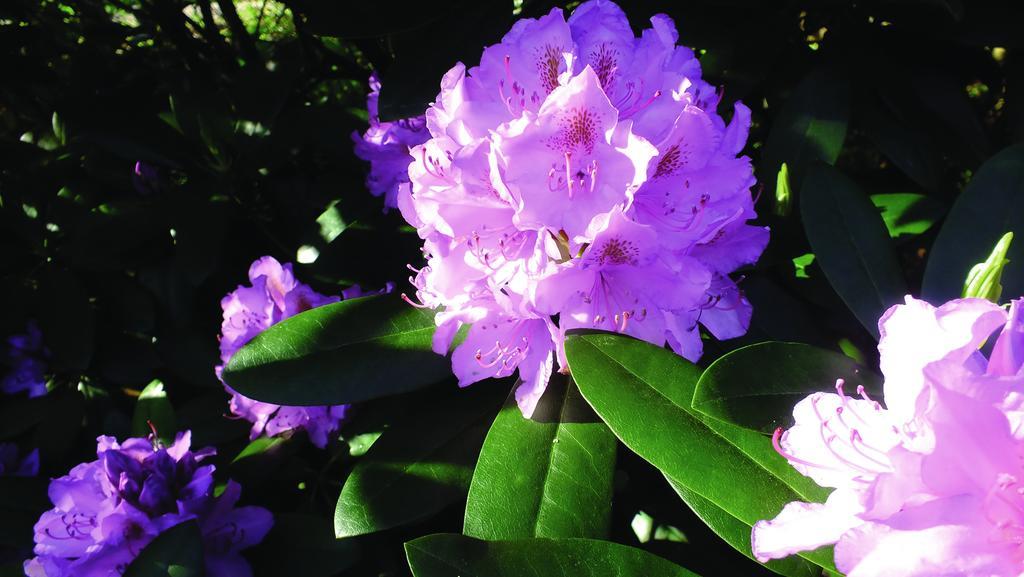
[(990, 206), (851, 245), (420, 465), (910, 150), (810, 127)]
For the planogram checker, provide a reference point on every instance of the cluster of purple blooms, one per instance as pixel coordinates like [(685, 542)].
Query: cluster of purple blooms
[(579, 176), (106, 511), (273, 296), (933, 482), (25, 358)]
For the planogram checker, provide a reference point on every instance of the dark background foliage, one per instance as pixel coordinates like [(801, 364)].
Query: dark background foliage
[(151, 149)]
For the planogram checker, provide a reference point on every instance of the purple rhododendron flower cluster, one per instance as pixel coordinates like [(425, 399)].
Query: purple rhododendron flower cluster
[(274, 295), (12, 466), (25, 356), (106, 511), (385, 145), (932, 483), (579, 176)]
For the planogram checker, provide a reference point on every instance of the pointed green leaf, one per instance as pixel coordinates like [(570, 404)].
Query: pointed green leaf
[(757, 386), (177, 552), (851, 244), (419, 466), (644, 394), (990, 206), (548, 476), (448, 555), (345, 352)]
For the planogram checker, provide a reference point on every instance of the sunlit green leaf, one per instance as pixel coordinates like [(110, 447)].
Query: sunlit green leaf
[(340, 353), (547, 476)]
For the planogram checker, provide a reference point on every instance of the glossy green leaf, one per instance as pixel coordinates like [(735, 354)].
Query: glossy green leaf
[(644, 394), (448, 555), (757, 386), (340, 353), (302, 545), (737, 533), (154, 407), (907, 214), (548, 476), (851, 245), (991, 206), (810, 126), (419, 466), (177, 552)]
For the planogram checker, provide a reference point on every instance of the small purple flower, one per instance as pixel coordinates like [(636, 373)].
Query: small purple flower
[(385, 145), (274, 295), (106, 511), (11, 466), (25, 356)]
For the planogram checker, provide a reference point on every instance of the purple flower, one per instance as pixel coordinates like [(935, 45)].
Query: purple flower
[(11, 466), (25, 356), (579, 176), (932, 483), (106, 511), (275, 295), (385, 145)]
